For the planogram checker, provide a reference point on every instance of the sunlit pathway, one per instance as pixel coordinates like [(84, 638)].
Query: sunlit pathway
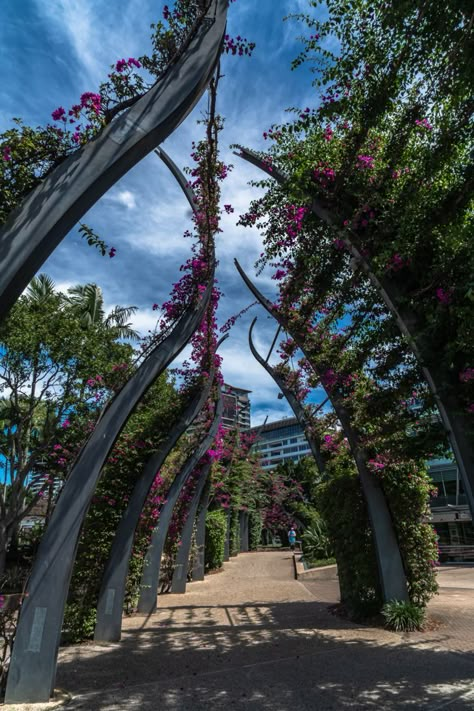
[(254, 637)]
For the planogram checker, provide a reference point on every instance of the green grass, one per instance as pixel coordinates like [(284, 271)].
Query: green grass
[(319, 562)]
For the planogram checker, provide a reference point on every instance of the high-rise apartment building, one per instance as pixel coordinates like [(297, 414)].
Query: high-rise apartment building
[(281, 441), (236, 407)]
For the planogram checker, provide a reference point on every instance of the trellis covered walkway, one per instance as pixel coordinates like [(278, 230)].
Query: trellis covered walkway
[(253, 637)]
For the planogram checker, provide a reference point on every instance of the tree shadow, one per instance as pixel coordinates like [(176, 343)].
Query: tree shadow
[(276, 656)]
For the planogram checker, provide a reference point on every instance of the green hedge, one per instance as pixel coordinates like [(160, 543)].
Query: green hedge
[(234, 544), (255, 529), (216, 526), (344, 512)]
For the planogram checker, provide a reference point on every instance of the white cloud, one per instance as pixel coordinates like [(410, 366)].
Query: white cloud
[(96, 36), (144, 320), (123, 197)]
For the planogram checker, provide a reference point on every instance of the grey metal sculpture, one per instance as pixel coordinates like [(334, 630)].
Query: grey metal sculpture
[(180, 574), (33, 663), (108, 626), (35, 229), (451, 412), (390, 565), (199, 564), (151, 570), (183, 182), (244, 531), (292, 401)]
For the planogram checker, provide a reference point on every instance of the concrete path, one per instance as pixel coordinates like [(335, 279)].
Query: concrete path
[(253, 637)]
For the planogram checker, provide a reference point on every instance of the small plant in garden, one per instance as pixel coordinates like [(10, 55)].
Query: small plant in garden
[(316, 542), (403, 616)]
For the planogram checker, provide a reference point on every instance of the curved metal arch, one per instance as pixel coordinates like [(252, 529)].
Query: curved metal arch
[(292, 401), (199, 565), (201, 493), (180, 177), (179, 582), (244, 531), (111, 596), (35, 229), (455, 424), (389, 561), (33, 662), (108, 626), (151, 571)]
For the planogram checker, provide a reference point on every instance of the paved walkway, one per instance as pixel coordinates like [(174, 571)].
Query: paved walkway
[(253, 637)]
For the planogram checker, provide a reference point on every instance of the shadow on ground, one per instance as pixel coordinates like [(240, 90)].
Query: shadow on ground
[(277, 657)]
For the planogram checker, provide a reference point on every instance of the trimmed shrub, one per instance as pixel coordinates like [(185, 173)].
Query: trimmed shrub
[(403, 616), (344, 512), (216, 526)]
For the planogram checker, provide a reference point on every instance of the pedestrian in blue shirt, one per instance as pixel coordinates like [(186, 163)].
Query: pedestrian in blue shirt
[(292, 537)]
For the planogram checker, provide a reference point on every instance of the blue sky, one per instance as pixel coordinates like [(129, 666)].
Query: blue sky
[(51, 51)]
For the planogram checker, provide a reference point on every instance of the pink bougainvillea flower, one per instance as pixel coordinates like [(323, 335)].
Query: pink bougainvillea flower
[(59, 114), (444, 296), (121, 65), (424, 123), (365, 161)]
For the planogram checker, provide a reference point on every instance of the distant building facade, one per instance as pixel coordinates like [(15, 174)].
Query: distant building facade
[(450, 512), (236, 403), (284, 441), (281, 441)]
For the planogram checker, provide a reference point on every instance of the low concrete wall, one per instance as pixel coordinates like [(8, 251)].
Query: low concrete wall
[(326, 572)]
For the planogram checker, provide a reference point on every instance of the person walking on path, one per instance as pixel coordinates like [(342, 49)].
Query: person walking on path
[(292, 537)]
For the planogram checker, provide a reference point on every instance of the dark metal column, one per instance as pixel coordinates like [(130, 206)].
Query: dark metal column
[(451, 412), (200, 561), (180, 574), (151, 570), (390, 565), (33, 663), (244, 531), (292, 401), (35, 229), (108, 626)]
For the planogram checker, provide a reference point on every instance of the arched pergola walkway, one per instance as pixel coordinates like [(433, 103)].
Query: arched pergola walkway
[(254, 637)]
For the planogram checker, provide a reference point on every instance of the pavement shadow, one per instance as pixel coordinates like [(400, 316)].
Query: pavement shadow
[(276, 656)]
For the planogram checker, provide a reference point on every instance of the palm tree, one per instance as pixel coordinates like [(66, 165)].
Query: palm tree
[(87, 302), (40, 289)]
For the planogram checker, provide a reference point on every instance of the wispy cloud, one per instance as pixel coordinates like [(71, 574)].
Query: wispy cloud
[(123, 197)]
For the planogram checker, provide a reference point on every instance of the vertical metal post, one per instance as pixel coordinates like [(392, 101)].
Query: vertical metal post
[(108, 626), (244, 531), (151, 570), (180, 575), (33, 662), (200, 560)]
